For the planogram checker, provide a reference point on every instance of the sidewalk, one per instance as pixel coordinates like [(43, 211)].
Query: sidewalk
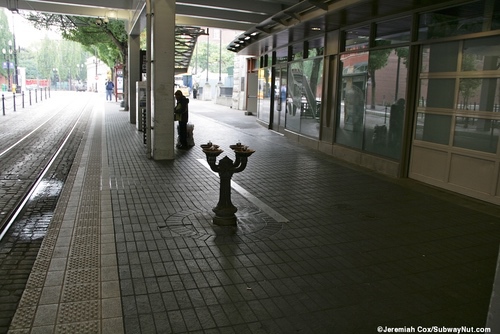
[(320, 247)]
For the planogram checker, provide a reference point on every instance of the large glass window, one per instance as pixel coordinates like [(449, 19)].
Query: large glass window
[(433, 128), (476, 134), (315, 47), (357, 39), (479, 55), (294, 96), (459, 93), (311, 99), (298, 51), (305, 83), (373, 101), (393, 32), (386, 94), (479, 94), (453, 21), (282, 56), (353, 99), (264, 94), (440, 57)]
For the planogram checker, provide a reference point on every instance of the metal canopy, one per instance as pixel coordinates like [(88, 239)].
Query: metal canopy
[(224, 14), (190, 14)]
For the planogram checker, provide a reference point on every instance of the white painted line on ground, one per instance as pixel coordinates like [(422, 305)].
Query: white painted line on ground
[(257, 202)]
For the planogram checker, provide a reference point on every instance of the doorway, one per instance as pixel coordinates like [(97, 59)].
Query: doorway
[(280, 95)]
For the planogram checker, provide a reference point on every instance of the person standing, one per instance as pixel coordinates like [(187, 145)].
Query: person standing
[(181, 114), (109, 90)]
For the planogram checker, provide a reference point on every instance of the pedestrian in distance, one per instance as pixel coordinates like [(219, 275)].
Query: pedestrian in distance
[(109, 90), (181, 114)]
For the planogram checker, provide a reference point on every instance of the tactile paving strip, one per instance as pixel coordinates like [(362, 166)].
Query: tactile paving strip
[(78, 257)]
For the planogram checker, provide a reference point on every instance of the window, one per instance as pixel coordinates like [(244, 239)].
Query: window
[(356, 39), (479, 55), (393, 32), (298, 51), (316, 47), (373, 101), (453, 21), (305, 83), (264, 94), (282, 56), (459, 94)]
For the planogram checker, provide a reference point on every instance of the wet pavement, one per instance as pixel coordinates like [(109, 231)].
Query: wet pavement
[(320, 246), (21, 244)]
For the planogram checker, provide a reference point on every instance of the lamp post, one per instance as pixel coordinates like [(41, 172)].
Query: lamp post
[(220, 57), (56, 77), (96, 61), (16, 78), (208, 52), (6, 55), (69, 78), (79, 71)]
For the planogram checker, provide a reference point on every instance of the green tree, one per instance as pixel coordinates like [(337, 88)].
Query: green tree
[(27, 58), (199, 58), (40, 61), (106, 38), (5, 37), (468, 87), (378, 59)]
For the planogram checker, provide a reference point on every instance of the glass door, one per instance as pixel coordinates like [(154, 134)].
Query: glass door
[(280, 88)]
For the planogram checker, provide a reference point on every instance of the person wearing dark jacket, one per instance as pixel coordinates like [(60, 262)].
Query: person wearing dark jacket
[(109, 90), (181, 114)]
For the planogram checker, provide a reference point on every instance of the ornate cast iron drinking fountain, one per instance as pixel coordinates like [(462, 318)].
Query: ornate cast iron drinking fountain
[(225, 210)]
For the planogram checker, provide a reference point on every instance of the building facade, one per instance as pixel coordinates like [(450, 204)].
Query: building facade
[(412, 94)]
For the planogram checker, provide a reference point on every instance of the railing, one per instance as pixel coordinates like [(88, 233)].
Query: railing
[(11, 103)]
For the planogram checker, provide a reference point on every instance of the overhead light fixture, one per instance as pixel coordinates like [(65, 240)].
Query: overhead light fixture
[(111, 14), (316, 28)]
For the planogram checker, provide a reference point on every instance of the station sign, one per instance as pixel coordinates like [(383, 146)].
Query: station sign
[(7, 65)]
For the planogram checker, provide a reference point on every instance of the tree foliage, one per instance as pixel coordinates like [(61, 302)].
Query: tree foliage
[(199, 59), (378, 59), (5, 37), (106, 39)]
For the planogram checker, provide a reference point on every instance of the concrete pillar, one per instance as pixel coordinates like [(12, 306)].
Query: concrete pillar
[(133, 73), (207, 92), (162, 79)]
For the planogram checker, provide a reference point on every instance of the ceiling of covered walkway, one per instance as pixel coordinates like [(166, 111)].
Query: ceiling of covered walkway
[(223, 14)]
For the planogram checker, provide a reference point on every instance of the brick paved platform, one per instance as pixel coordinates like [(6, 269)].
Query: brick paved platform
[(320, 247)]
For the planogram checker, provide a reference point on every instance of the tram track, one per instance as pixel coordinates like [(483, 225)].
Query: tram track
[(29, 157), (47, 151)]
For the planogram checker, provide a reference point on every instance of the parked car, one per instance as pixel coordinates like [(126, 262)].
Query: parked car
[(81, 87)]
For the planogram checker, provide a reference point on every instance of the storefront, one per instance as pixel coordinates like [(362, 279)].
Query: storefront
[(412, 95)]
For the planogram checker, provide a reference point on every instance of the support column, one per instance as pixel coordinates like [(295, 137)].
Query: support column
[(162, 79), (133, 73)]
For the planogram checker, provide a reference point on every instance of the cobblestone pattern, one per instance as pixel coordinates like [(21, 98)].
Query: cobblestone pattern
[(22, 165), (358, 250), (76, 291), (20, 246)]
